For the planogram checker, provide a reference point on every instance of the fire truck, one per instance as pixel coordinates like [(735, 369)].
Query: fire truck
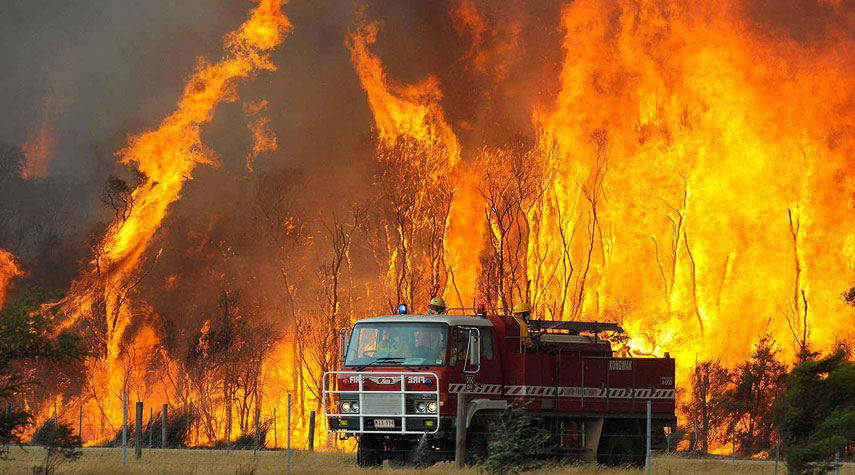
[(400, 377)]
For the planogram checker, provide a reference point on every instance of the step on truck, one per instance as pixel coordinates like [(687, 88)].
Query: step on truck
[(400, 376)]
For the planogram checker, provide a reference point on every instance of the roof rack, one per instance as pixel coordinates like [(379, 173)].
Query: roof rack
[(476, 310), (574, 327)]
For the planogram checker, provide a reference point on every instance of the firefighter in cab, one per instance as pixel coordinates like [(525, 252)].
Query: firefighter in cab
[(437, 306)]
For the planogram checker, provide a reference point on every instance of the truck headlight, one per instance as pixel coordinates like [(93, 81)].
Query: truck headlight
[(421, 407), (431, 406), (345, 406), (354, 407)]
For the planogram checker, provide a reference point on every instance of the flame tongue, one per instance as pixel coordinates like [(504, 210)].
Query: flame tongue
[(166, 157), (8, 270)]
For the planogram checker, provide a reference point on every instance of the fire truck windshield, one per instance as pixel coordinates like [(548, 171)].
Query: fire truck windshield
[(398, 344)]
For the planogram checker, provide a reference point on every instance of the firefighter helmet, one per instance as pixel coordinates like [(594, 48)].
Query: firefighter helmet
[(521, 307), (436, 306)]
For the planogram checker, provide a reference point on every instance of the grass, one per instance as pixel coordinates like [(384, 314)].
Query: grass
[(98, 461)]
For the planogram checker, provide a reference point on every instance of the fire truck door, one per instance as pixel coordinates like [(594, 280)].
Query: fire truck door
[(487, 382)]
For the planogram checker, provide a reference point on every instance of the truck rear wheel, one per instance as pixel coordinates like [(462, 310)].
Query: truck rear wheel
[(369, 452), (620, 447), (476, 446)]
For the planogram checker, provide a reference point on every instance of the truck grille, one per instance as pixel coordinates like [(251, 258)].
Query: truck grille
[(381, 404)]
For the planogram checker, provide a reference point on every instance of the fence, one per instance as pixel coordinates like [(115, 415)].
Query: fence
[(161, 426)]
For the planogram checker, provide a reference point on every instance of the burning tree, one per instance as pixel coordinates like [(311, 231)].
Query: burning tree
[(514, 182), (225, 365), (30, 341), (317, 332), (757, 382), (706, 406), (414, 191)]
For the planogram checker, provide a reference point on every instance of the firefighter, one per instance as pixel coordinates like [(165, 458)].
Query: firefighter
[(522, 314), (392, 346), (522, 310), (437, 306)]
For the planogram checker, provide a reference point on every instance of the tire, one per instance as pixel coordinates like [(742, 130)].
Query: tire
[(369, 452), (620, 447), (476, 446)]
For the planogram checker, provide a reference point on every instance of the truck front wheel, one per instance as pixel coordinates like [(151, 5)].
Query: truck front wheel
[(369, 452)]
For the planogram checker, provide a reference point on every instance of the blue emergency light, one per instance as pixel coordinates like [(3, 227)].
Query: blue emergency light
[(402, 309)]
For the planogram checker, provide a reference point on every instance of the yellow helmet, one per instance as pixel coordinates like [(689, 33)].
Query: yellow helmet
[(437, 305), (522, 307)]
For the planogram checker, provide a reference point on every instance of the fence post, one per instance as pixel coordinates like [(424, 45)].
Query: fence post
[(460, 431), (80, 425), (275, 440), (229, 427), (695, 445), (124, 428), (138, 431), (312, 431), (647, 444), (288, 437), (150, 418), (733, 441), (9, 408), (837, 463), (55, 420), (777, 454), (164, 415), (255, 446)]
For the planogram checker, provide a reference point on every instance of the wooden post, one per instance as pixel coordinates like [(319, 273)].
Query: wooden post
[(124, 428), (312, 431), (460, 432), (9, 408), (229, 427), (150, 418), (164, 413), (55, 420), (288, 438), (255, 447), (275, 440), (80, 425), (138, 432), (733, 441)]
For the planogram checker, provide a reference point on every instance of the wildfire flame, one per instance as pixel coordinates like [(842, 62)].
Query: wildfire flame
[(697, 165), (9, 269), (263, 139), (166, 158), (41, 143)]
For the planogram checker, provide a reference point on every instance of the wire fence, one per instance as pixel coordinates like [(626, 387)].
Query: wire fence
[(143, 428)]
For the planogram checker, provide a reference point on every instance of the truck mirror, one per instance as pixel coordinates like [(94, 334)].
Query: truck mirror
[(342, 344), (474, 350)]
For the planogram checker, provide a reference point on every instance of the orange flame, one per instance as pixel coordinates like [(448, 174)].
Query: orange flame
[(41, 143), (411, 110), (726, 186), (8, 270), (263, 139)]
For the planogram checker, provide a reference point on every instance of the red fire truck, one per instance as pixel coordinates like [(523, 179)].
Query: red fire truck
[(401, 375)]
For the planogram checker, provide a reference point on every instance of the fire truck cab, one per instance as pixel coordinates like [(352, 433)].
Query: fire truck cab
[(401, 375)]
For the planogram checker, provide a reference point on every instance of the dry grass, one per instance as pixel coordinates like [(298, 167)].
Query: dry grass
[(96, 461)]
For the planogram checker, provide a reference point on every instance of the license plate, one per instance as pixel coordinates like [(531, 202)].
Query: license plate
[(384, 423)]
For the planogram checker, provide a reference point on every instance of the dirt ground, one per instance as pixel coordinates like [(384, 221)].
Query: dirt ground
[(96, 461)]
